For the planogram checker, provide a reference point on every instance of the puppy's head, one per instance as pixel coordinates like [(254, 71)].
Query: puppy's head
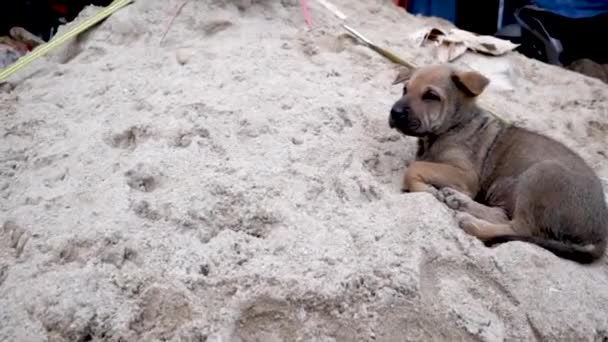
[(435, 98)]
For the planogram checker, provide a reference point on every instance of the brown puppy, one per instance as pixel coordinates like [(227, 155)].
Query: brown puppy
[(507, 183)]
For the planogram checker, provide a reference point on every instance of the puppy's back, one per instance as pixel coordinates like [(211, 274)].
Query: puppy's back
[(516, 149)]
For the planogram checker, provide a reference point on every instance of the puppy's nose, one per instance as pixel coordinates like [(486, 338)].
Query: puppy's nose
[(399, 112)]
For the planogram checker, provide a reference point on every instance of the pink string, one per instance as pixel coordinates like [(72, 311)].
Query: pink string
[(306, 11)]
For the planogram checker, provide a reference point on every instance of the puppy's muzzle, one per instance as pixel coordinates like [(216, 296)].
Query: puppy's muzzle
[(402, 119)]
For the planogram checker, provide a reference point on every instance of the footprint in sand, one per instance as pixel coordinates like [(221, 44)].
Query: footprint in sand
[(144, 178)]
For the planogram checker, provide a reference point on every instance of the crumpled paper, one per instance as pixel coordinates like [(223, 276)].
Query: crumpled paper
[(455, 42), (16, 45)]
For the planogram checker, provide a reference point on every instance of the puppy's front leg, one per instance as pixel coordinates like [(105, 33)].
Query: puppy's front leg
[(424, 176)]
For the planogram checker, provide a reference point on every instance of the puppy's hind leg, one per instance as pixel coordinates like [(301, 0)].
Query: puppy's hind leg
[(458, 201), (491, 233), (482, 229)]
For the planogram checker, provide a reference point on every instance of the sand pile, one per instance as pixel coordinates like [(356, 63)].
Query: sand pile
[(239, 182)]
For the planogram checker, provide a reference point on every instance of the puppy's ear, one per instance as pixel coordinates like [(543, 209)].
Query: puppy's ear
[(470, 82), (403, 75)]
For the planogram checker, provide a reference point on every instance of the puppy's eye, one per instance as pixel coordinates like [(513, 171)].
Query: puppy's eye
[(404, 90), (430, 95)]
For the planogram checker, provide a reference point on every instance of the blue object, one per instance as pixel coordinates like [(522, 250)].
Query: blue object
[(574, 8), (445, 9)]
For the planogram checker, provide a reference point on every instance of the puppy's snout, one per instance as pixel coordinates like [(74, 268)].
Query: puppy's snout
[(402, 118), (399, 113)]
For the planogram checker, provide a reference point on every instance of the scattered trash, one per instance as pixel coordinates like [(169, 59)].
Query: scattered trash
[(58, 40), (455, 42), (17, 44), (306, 11), (29, 39), (8, 54)]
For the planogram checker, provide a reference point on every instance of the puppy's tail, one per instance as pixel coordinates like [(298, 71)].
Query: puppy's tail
[(584, 254)]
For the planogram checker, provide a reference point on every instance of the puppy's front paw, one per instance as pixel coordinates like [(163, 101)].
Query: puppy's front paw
[(467, 223), (453, 199), (433, 191)]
